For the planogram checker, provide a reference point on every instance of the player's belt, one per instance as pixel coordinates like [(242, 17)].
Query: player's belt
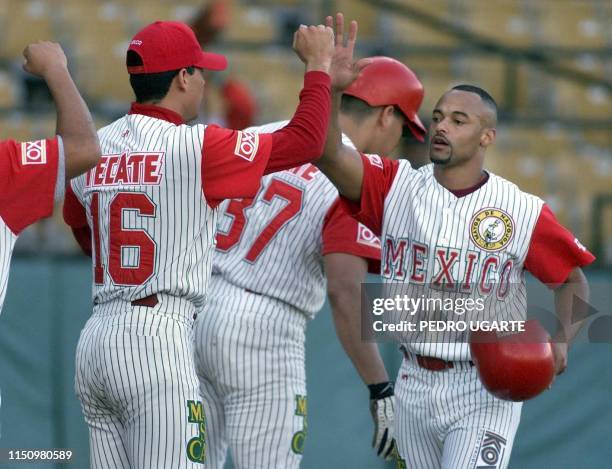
[(432, 363), (148, 301)]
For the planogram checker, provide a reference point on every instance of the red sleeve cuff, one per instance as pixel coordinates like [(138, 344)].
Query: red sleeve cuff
[(29, 173), (554, 251)]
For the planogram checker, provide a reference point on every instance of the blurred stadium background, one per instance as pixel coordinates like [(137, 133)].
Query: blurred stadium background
[(547, 62)]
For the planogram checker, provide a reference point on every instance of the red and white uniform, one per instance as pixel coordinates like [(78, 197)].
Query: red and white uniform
[(151, 208), (450, 244), (32, 179), (268, 280), (274, 245)]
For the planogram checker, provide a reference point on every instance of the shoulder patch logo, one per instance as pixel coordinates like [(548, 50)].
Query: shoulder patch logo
[(375, 160), (491, 229), (246, 145), (34, 152), (367, 237)]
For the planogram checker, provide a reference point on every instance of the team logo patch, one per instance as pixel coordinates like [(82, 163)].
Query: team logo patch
[(246, 145), (491, 451), (299, 438), (375, 160), (34, 152), (367, 237), (491, 229), (196, 447)]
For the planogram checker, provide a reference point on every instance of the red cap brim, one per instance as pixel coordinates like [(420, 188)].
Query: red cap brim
[(211, 61)]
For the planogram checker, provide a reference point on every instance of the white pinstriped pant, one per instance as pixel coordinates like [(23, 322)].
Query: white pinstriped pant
[(250, 359), (446, 419), (136, 380)]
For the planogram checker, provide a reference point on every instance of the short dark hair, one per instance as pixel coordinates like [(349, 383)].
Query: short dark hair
[(355, 107), (150, 86), (486, 97)]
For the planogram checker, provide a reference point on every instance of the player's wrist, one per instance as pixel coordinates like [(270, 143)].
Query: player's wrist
[(319, 65), (380, 390), (55, 71)]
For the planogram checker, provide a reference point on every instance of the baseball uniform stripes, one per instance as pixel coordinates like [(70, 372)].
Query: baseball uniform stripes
[(7, 241), (289, 266), (412, 200), (153, 235), (250, 360), (446, 419), (135, 377), (181, 259), (443, 246), (33, 175)]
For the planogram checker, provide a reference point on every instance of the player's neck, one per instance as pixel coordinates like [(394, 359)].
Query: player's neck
[(354, 131), (172, 105), (456, 178)]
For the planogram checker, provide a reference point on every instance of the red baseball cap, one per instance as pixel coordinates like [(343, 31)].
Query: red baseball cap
[(171, 45)]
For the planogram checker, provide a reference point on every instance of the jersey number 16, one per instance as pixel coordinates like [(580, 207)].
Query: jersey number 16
[(120, 238)]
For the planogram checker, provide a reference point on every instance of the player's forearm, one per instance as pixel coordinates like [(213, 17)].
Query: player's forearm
[(74, 123), (302, 139), (364, 355), (341, 164), (571, 305)]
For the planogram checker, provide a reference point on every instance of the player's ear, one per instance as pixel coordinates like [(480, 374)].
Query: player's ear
[(181, 79), (386, 116), (487, 137)]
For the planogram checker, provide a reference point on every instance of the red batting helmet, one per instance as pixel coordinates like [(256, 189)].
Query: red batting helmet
[(514, 367), (384, 82)]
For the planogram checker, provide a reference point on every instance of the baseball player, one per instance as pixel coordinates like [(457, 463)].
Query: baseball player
[(440, 230), (151, 208), (34, 173), (269, 274)]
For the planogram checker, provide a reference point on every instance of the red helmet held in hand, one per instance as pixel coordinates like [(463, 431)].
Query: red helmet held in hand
[(514, 367)]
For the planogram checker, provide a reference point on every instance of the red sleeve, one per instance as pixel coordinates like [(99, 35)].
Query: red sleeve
[(554, 252), (378, 176), (235, 161), (342, 233), (28, 176), (302, 139), (74, 212), (76, 217)]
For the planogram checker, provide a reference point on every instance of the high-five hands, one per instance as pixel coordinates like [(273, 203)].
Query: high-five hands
[(344, 69), (314, 45)]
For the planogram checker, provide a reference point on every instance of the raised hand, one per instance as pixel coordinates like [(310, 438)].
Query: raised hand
[(344, 68), (42, 57), (314, 45)]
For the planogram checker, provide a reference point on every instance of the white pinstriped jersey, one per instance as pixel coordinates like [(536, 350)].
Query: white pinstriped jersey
[(146, 253), (273, 245), (32, 175), (475, 244), (457, 255), (278, 253), (152, 228)]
